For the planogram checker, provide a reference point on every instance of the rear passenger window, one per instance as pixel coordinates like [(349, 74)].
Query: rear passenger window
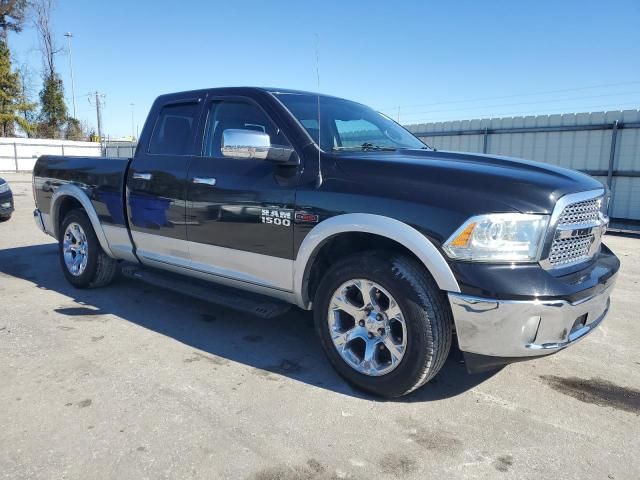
[(173, 130)]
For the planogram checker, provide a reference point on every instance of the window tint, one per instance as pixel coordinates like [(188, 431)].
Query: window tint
[(346, 124), (237, 114), (353, 133), (173, 129)]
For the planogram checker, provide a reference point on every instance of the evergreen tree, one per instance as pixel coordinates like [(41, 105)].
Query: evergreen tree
[(53, 110), (12, 14), (73, 130), (13, 106)]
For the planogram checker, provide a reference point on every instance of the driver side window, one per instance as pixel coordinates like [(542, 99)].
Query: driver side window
[(237, 114)]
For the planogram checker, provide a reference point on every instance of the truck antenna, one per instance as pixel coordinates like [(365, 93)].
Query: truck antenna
[(319, 178)]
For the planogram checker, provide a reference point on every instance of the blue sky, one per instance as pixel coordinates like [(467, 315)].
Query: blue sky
[(436, 60)]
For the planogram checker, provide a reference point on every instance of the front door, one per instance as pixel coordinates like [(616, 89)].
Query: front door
[(157, 186), (240, 211)]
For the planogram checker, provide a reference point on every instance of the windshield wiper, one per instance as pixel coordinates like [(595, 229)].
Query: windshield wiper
[(364, 147)]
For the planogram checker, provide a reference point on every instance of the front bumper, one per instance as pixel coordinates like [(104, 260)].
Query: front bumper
[(513, 329)]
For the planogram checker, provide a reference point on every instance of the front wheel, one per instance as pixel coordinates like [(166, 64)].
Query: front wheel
[(383, 323), (84, 263)]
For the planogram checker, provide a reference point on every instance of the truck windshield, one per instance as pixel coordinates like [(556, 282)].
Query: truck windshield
[(346, 125)]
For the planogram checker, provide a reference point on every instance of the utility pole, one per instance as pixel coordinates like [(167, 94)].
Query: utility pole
[(69, 35), (133, 131), (99, 114)]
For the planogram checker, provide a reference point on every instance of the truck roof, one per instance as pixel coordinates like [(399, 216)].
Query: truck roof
[(243, 90)]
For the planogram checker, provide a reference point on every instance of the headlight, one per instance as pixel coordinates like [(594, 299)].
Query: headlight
[(501, 237), (4, 187)]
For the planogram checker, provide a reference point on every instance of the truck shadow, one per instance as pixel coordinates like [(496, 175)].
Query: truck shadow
[(283, 346)]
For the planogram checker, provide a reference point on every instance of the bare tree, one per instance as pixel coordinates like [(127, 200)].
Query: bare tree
[(27, 95), (42, 10)]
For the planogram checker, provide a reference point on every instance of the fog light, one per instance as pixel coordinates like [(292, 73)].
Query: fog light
[(580, 322), (530, 329)]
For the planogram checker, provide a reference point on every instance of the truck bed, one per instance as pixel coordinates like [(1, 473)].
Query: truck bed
[(102, 178)]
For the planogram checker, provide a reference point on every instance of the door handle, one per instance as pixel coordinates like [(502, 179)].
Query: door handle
[(204, 180), (141, 176)]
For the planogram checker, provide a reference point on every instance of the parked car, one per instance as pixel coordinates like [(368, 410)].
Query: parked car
[(6, 200), (326, 204)]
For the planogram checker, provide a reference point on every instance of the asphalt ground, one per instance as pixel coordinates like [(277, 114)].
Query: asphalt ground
[(134, 382)]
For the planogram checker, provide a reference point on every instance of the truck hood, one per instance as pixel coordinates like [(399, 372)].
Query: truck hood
[(475, 183)]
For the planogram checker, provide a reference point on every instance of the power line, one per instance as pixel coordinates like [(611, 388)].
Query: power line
[(514, 95)]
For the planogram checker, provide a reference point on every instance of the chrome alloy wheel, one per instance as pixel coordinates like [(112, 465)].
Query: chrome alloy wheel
[(75, 249), (367, 327)]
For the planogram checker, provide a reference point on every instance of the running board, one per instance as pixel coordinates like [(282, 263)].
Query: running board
[(252, 303)]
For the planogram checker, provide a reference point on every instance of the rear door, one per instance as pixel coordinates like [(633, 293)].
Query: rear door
[(240, 212), (157, 184)]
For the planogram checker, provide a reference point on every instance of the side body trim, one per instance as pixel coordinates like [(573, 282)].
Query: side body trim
[(250, 267), (221, 263), (120, 242), (388, 227), (288, 297), (161, 248)]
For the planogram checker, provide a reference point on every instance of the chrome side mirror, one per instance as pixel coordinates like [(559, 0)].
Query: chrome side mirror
[(252, 144), (238, 143)]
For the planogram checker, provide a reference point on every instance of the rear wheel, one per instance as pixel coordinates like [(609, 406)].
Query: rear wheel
[(84, 263), (4, 218), (384, 324)]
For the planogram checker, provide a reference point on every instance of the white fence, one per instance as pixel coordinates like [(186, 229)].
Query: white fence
[(603, 144), (20, 154)]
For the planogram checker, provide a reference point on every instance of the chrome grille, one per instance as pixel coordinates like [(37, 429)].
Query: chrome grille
[(581, 212), (566, 251), (578, 230)]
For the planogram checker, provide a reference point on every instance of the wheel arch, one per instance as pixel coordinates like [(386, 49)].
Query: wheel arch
[(74, 195), (391, 230)]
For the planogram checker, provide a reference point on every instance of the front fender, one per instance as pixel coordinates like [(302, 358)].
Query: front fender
[(380, 225)]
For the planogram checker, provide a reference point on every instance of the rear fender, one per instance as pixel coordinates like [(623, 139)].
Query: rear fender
[(81, 196)]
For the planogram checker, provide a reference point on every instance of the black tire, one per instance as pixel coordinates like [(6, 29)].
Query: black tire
[(425, 309), (5, 218), (101, 269)]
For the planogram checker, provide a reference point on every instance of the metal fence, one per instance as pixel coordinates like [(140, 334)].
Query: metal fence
[(605, 145), (20, 154), (119, 149)]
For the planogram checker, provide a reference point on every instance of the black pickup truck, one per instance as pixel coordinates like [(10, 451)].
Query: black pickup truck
[(324, 203)]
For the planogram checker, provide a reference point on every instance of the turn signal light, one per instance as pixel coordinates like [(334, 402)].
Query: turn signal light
[(462, 240)]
